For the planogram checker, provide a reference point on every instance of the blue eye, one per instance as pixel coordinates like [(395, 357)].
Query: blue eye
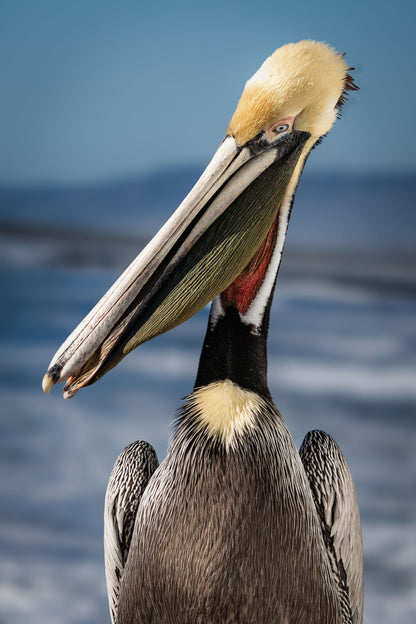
[(281, 128)]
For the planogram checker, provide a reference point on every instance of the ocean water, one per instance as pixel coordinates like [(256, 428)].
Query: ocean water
[(342, 358)]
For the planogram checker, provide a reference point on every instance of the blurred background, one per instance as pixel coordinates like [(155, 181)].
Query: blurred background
[(108, 114)]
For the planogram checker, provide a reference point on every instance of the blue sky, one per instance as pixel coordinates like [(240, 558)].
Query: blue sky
[(92, 89)]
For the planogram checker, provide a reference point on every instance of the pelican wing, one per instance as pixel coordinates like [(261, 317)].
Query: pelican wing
[(336, 503), (128, 480)]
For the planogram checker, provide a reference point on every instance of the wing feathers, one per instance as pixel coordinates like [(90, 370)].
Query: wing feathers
[(336, 503), (128, 480)]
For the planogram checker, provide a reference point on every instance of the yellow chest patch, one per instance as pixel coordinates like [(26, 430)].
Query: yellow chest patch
[(224, 410)]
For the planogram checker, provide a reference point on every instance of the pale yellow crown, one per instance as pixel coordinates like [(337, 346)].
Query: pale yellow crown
[(305, 80)]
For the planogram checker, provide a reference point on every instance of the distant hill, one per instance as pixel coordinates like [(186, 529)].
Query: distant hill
[(332, 212)]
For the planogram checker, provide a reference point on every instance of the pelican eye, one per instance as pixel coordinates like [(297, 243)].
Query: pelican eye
[(281, 128), (273, 132)]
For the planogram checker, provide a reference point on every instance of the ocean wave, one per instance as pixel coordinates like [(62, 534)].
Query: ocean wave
[(348, 380)]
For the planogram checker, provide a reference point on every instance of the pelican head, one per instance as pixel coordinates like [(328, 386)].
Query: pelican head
[(300, 85), (229, 228)]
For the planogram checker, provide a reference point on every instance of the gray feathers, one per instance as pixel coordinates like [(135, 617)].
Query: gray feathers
[(258, 533), (229, 536), (336, 502), (128, 480)]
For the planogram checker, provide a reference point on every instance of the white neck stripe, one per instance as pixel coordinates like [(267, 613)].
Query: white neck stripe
[(255, 313)]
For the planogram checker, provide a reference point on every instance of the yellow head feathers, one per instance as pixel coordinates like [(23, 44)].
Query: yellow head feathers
[(305, 80)]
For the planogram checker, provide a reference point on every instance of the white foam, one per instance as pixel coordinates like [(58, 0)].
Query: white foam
[(353, 380)]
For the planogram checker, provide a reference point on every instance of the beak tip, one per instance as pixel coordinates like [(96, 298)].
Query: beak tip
[(68, 394), (47, 383), (70, 389)]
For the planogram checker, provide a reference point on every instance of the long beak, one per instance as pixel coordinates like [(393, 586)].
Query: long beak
[(199, 251)]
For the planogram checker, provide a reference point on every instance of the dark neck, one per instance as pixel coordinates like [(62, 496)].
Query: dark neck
[(232, 350)]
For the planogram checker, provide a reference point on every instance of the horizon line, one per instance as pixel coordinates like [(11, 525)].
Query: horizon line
[(116, 178)]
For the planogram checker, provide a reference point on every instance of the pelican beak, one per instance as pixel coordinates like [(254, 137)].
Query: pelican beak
[(198, 253)]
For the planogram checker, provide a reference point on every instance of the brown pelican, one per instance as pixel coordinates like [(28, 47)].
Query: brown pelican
[(235, 525)]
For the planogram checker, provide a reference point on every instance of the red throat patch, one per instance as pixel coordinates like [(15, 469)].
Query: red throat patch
[(245, 287)]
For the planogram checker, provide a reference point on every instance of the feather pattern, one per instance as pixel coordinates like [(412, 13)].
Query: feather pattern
[(336, 502), (129, 478), (229, 535)]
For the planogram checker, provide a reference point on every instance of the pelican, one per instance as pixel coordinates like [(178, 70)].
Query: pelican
[(235, 525)]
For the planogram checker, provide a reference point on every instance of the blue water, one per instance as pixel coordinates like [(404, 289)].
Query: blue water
[(342, 358)]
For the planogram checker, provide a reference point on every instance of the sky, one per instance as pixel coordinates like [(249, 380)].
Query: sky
[(94, 90)]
